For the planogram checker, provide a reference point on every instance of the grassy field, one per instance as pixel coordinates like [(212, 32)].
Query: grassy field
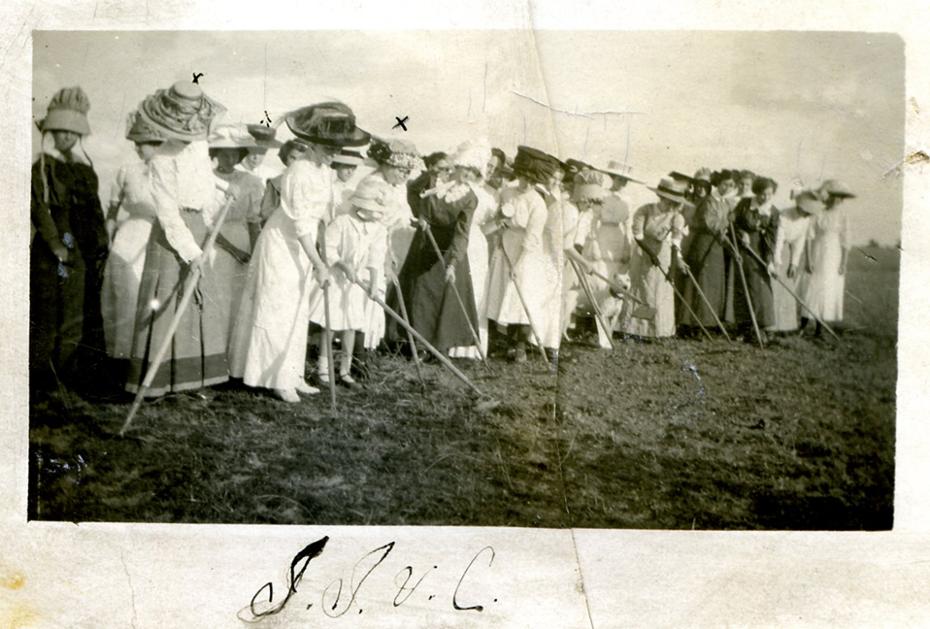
[(673, 434)]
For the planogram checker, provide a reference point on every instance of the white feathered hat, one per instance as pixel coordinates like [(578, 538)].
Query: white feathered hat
[(473, 154)]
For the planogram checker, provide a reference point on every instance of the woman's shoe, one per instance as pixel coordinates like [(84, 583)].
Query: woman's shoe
[(306, 389), (349, 382), (288, 395)]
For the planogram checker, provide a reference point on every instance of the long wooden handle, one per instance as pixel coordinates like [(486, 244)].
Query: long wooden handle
[(458, 298), (742, 276), (442, 358), (706, 301), (192, 281), (791, 292), (410, 339), (678, 294), (608, 331), (526, 308)]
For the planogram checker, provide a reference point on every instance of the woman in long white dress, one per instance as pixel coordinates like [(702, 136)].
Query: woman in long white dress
[(553, 250), (791, 241), (824, 285), (269, 346), (129, 223), (658, 229), (517, 262), (229, 145), (472, 161)]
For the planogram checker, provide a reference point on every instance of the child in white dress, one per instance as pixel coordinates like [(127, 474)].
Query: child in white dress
[(354, 247)]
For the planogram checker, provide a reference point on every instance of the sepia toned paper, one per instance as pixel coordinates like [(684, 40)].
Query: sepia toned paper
[(62, 574)]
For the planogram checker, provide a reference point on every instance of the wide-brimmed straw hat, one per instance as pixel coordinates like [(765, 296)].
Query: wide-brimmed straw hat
[(836, 188), (808, 202), (372, 194), (67, 111), (346, 157), (618, 169), (329, 124), (182, 112), (702, 175), (680, 176), (589, 186), (672, 190), (139, 130), (534, 164), (231, 136), (264, 136)]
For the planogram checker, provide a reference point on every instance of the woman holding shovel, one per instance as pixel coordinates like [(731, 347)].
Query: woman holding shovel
[(183, 189), (658, 228), (269, 345)]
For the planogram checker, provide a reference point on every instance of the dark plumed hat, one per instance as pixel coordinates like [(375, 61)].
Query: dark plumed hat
[(534, 164), (330, 124)]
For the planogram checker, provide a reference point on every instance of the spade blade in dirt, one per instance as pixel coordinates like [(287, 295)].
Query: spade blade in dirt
[(486, 406)]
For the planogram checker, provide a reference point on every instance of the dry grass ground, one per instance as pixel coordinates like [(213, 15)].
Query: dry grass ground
[(676, 434)]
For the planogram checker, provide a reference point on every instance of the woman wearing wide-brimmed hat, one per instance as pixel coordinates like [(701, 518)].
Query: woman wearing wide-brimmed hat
[(658, 228), (791, 242), (130, 218), (184, 192), (522, 216), (71, 243), (708, 255), (269, 345), (229, 146), (823, 285), (755, 221)]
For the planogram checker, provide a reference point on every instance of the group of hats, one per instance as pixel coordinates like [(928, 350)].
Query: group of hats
[(184, 112)]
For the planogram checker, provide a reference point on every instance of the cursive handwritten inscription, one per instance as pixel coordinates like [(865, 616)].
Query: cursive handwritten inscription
[(309, 552), (263, 602), (387, 548), (403, 586), (455, 594)]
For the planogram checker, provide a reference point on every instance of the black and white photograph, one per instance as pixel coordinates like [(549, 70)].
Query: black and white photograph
[(553, 279)]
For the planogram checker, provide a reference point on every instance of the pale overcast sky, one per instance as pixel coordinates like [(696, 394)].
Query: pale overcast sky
[(788, 105)]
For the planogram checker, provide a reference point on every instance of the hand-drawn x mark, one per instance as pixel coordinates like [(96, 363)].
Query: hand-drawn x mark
[(400, 122), (197, 76)]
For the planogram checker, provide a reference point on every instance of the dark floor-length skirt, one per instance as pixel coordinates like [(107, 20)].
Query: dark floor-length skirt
[(197, 354), (56, 317), (760, 293), (708, 262), (431, 304)]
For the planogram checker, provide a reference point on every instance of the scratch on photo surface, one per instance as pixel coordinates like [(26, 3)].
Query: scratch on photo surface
[(582, 114), (132, 590), (581, 589)]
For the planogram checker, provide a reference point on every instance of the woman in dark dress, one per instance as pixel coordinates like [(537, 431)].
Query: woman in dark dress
[(68, 251), (756, 222), (708, 256), (425, 279)]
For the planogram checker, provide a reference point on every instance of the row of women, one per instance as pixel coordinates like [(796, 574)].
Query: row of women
[(472, 242)]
